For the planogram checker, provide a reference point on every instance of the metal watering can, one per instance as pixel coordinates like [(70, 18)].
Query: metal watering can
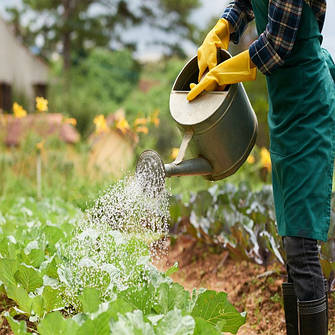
[(220, 127)]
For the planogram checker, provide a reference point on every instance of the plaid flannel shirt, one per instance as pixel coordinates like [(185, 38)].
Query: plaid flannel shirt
[(269, 51)]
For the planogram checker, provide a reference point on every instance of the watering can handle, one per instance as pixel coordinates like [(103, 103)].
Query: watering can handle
[(184, 144)]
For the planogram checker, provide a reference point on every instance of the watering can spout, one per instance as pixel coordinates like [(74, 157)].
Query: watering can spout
[(151, 167), (192, 167), (220, 127)]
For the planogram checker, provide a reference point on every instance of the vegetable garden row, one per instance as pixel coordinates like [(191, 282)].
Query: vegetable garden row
[(55, 293), (36, 274), (243, 221)]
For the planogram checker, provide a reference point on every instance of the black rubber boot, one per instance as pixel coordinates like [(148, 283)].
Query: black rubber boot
[(312, 317), (290, 309), (326, 290)]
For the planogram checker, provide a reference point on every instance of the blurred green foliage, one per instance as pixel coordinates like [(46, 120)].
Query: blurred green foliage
[(98, 85), (160, 76), (64, 172), (257, 93)]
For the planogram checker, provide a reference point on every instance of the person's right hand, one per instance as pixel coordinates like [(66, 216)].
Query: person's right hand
[(217, 38), (234, 70)]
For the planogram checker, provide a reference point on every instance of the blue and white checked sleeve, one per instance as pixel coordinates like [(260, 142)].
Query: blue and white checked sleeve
[(239, 13), (276, 43)]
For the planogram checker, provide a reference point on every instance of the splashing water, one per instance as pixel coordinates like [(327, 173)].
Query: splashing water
[(115, 240)]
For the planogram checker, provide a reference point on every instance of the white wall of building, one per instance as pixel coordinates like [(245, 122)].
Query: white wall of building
[(18, 66)]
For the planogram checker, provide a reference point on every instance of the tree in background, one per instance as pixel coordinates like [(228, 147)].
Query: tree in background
[(176, 14), (99, 85), (73, 27)]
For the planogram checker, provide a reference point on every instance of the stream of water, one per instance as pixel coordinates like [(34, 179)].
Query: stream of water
[(115, 240)]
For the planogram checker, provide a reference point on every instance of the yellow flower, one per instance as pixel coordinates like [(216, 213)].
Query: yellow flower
[(142, 129), (100, 124), (251, 159), (18, 111), (70, 120), (174, 153), (140, 121), (154, 118), (265, 159), (123, 125), (41, 104), (40, 146)]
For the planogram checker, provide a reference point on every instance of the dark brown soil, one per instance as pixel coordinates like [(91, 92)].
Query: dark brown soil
[(5, 305), (250, 287)]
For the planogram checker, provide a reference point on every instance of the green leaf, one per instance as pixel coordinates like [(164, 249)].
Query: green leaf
[(119, 306), (20, 296), (28, 277), (231, 322), (53, 234), (4, 247), (55, 324), (18, 327), (215, 308), (51, 268), (8, 267), (142, 298), (34, 258), (132, 324), (174, 323), (37, 306), (90, 300), (202, 327), (202, 202), (100, 324), (173, 269), (51, 298), (170, 296)]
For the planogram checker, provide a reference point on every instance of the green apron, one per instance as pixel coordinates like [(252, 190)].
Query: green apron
[(302, 131)]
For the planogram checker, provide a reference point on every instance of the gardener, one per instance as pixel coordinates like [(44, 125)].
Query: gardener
[(301, 122)]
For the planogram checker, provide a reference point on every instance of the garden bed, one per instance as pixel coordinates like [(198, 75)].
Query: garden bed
[(250, 287)]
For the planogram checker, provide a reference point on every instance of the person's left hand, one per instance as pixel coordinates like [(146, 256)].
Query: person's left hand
[(234, 70)]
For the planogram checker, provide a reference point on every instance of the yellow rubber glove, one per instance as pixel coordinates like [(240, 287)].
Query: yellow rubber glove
[(233, 70), (218, 37)]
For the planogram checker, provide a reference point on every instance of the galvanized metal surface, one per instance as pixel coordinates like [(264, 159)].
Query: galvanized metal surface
[(224, 124), (192, 167), (183, 147), (191, 113)]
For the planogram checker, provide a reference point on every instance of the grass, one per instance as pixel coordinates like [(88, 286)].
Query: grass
[(64, 173)]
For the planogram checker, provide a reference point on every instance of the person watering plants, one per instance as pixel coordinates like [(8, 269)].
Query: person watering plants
[(302, 132)]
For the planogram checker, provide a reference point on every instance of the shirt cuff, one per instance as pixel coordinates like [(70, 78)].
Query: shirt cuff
[(264, 56), (235, 18)]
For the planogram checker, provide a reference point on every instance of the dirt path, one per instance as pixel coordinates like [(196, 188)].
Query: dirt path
[(250, 287)]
